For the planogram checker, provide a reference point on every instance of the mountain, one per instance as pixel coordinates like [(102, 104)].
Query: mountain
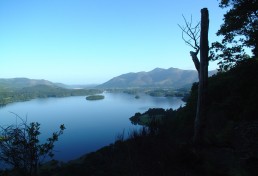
[(19, 83), (24, 89), (162, 78)]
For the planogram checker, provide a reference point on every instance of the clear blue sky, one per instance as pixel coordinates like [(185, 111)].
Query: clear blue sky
[(91, 41)]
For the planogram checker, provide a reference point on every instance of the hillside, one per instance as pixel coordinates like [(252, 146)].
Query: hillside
[(24, 89), (157, 78), (165, 147), (19, 83)]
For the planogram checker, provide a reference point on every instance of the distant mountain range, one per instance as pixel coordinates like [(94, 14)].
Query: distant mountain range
[(19, 83), (157, 78), (24, 89)]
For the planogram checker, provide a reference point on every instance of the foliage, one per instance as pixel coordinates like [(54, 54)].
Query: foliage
[(152, 115), (132, 91), (227, 55), (20, 147), (167, 92), (239, 30), (155, 92)]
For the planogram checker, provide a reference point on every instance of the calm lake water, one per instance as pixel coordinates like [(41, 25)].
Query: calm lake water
[(90, 125)]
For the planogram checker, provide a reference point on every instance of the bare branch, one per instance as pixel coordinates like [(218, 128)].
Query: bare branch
[(193, 33)]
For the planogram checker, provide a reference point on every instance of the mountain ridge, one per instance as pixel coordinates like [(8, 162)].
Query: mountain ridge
[(158, 77), (19, 83)]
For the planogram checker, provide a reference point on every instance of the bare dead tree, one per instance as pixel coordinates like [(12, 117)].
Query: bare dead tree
[(194, 33)]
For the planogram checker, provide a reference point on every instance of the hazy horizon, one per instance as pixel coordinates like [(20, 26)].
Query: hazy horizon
[(90, 42), (95, 83)]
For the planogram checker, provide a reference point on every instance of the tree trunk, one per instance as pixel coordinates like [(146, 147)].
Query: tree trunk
[(201, 112)]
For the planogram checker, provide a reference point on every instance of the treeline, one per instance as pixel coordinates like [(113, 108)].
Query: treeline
[(155, 92), (168, 93), (153, 114), (41, 91)]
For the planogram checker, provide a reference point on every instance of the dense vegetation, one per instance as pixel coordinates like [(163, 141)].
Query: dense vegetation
[(238, 31), (41, 91), (165, 147), (21, 148), (153, 114), (155, 92), (167, 92)]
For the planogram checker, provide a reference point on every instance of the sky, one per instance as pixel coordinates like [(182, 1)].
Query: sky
[(91, 41)]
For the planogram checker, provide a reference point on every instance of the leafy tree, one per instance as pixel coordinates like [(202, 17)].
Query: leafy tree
[(239, 30), (20, 147)]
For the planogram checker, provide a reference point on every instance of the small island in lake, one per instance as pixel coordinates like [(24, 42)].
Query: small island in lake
[(137, 97), (95, 97)]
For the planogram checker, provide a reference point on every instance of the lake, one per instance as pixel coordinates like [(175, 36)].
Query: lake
[(90, 125)]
